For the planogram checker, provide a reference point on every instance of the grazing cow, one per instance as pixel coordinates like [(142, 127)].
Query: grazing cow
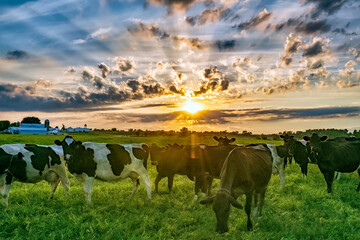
[(246, 170), (107, 162), (31, 164), (200, 163), (331, 156), (278, 154)]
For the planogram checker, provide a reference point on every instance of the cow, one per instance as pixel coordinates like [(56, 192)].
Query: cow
[(331, 156), (30, 163), (200, 163), (246, 170), (106, 162)]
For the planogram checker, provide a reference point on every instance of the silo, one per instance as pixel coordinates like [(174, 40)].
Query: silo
[(47, 124)]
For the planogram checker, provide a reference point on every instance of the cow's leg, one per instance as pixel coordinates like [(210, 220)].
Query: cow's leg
[(2, 183), (157, 180), (358, 188), (209, 186), (88, 188), (248, 210), (170, 182), (255, 211), (5, 194), (329, 178), (135, 180), (261, 203), (53, 186), (145, 179), (197, 187), (64, 182), (281, 169)]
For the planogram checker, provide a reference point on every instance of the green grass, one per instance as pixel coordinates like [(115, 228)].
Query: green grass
[(303, 210)]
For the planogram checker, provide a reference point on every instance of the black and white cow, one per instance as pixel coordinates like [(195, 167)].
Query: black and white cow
[(31, 164), (106, 162)]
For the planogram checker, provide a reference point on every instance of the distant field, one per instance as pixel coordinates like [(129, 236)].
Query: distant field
[(303, 210)]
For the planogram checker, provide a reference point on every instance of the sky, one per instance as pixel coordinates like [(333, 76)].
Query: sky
[(263, 66)]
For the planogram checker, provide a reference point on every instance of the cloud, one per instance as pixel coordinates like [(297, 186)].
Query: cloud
[(223, 45), (255, 21), (177, 5), (292, 45), (17, 55), (155, 89), (343, 32), (327, 6), (105, 70), (193, 43), (173, 89), (100, 34), (302, 26), (143, 30), (316, 48), (346, 84), (355, 52), (134, 85), (209, 15), (124, 64), (227, 116)]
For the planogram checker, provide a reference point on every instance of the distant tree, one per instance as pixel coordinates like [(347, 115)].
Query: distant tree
[(4, 125), (31, 120), (85, 126), (113, 129), (184, 131), (63, 128)]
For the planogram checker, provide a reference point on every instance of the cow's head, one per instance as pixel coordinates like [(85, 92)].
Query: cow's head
[(156, 153), (314, 143), (69, 145), (221, 206), (223, 140)]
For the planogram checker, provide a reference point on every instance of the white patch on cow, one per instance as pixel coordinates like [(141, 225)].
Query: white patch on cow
[(303, 142), (278, 163), (202, 146), (67, 156), (69, 141)]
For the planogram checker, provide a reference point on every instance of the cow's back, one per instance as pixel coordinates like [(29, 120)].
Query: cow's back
[(251, 168)]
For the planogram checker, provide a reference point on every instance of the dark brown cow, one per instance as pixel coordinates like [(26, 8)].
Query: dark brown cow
[(245, 171), (200, 163)]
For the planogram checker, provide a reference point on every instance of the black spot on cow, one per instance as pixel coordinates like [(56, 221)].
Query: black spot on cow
[(82, 161), (142, 153), (42, 156), (118, 158), (13, 165)]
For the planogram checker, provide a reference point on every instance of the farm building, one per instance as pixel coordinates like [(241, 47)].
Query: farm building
[(78, 129), (34, 128)]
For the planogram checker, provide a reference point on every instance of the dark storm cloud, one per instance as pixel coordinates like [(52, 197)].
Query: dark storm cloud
[(156, 89), (313, 50), (223, 45), (327, 6), (173, 89), (302, 26), (105, 70), (134, 85), (17, 55), (227, 116), (343, 32), (260, 18)]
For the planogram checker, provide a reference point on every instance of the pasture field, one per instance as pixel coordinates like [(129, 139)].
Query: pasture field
[(302, 210)]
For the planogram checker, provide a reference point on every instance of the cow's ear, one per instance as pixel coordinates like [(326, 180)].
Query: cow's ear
[(323, 138), (235, 203), (57, 142), (216, 138), (306, 138), (207, 200), (232, 140)]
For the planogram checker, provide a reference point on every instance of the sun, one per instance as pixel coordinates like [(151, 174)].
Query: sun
[(192, 107)]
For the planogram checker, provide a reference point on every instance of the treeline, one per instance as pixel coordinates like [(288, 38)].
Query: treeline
[(331, 133)]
